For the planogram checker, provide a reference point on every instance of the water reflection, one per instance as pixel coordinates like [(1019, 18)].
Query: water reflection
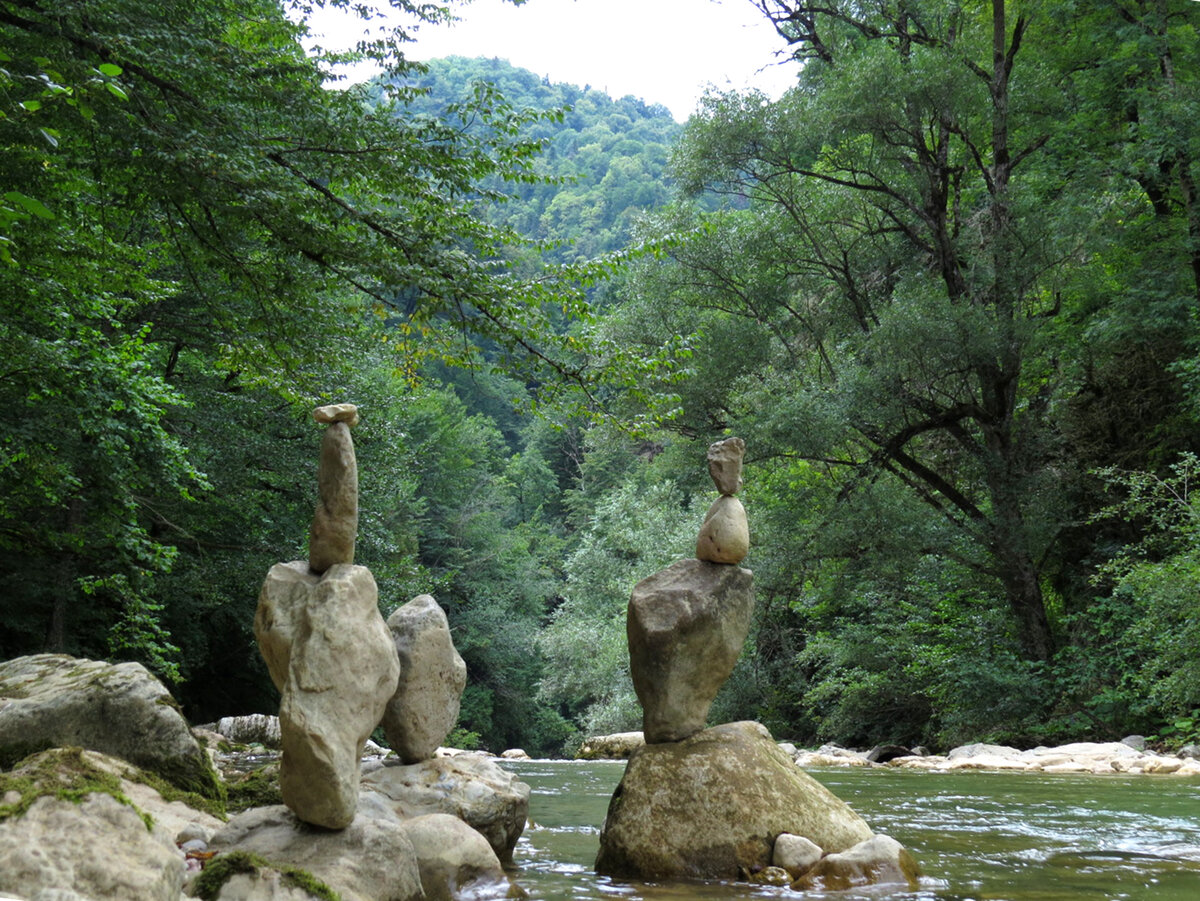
[(978, 836)]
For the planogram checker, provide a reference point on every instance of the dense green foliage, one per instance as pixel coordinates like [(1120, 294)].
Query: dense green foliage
[(947, 289), (605, 161)]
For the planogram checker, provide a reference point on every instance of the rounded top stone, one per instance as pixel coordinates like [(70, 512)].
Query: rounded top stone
[(725, 464), (347, 413)]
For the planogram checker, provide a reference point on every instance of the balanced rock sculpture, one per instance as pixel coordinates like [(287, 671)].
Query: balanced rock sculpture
[(698, 803), (425, 706), (328, 650), (725, 535)]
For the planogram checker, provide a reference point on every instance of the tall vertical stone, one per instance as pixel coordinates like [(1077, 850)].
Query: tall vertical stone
[(335, 521)]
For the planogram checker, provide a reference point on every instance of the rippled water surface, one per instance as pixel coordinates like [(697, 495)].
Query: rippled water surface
[(982, 836)]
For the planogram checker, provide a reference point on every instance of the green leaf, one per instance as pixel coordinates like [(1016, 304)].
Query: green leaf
[(116, 91), (31, 106), (30, 204), (112, 70)]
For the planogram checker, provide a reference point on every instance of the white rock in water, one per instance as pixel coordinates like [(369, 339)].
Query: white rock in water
[(795, 853)]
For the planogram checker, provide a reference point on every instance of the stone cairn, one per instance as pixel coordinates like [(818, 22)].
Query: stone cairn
[(340, 669), (723, 802), (686, 624)]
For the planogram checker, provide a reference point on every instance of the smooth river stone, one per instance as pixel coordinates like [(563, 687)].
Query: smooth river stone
[(725, 535)]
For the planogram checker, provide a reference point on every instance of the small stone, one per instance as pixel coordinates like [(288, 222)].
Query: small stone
[(795, 853), (880, 860), (514, 754), (772, 876), (195, 844), (725, 535), (191, 832), (725, 464), (1137, 742), (347, 413)]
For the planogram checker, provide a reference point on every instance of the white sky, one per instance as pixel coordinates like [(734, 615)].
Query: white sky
[(662, 51)]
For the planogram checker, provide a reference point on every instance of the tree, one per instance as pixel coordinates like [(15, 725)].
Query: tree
[(188, 207), (912, 254)]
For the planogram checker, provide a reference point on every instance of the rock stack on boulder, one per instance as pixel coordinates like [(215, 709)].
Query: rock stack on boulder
[(699, 803), (327, 648)]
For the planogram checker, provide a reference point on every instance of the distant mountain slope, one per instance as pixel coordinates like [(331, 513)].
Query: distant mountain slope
[(613, 151)]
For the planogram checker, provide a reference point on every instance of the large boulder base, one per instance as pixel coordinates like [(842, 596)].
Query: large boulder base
[(474, 789), (372, 859), (75, 825), (425, 706), (53, 700), (332, 658), (686, 627), (711, 807)]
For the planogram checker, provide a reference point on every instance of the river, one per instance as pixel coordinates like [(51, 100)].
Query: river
[(978, 836)]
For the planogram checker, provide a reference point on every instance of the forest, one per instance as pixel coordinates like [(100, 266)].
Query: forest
[(947, 288)]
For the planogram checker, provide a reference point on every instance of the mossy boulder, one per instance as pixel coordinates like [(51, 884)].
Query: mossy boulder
[(53, 805), (57, 701), (712, 805)]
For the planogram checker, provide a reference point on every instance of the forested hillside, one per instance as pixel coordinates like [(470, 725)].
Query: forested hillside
[(946, 289)]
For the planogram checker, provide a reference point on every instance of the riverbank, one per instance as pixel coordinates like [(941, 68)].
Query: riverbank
[(1128, 757), (1096, 758)]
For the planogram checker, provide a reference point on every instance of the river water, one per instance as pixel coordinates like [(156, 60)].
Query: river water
[(978, 836)]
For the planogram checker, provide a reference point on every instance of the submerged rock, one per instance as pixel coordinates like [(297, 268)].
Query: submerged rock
[(712, 805), (617, 746), (880, 860)]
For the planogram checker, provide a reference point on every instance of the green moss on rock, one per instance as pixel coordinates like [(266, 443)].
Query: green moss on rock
[(259, 788), (224, 867), (63, 773)]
